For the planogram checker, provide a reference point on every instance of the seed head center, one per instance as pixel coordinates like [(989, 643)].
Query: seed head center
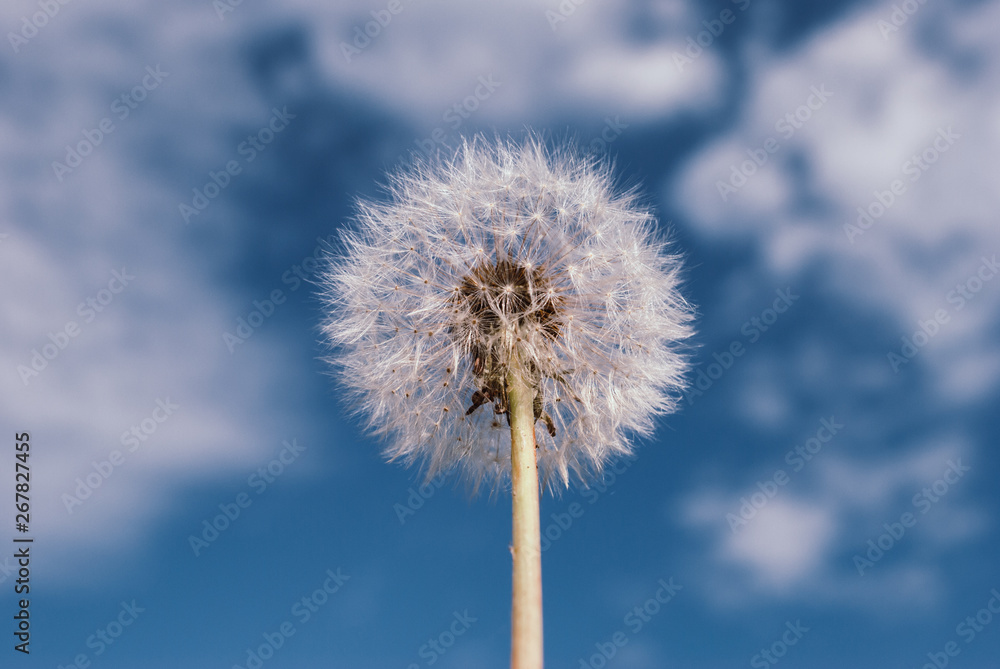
[(507, 295)]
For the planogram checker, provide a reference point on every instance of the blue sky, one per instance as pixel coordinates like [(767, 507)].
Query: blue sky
[(825, 497)]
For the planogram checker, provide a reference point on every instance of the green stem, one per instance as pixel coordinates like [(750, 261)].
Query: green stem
[(526, 608)]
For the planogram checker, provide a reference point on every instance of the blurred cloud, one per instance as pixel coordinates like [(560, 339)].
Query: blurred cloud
[(434, 51), (795, 540), (785, 543), (903, 107), (160, 337)]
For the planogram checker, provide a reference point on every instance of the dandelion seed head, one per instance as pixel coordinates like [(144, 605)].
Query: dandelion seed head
[(506, 250)]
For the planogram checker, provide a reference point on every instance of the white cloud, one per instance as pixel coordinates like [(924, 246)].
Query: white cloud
[(890, 100), (798, 544), (160, 337), (785, 543), (430, 55), (642, 83)]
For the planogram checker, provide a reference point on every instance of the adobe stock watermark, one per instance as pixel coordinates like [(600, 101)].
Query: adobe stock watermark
[(259, 482), (39, 358), (898, 17), (612, 130), (786, 126), (223, 7), (30, 25), (635, 620), (971, 627), (753, 329), (121, 108), (303, 611), (437, 646), (797, 458), (131, 439), (562, 13), (714, 28), (417, 497), (248, 150), (923, 501), (364, 35), (914, 168), (7, 568), (456, 115), (106, 636), (770, 656), (559, 523), (293, 277), (959, 297)]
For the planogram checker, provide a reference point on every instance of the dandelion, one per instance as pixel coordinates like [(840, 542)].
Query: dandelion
[(507, 314)]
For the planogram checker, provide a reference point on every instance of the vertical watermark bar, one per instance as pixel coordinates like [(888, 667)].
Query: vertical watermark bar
[(22, 544)]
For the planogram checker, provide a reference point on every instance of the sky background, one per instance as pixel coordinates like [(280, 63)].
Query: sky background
[(894, 109)]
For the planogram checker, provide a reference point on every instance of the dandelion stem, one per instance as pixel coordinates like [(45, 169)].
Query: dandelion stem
[(526, 608)]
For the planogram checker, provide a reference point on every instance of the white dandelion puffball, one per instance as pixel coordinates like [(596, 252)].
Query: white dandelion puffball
[(506, 253)]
